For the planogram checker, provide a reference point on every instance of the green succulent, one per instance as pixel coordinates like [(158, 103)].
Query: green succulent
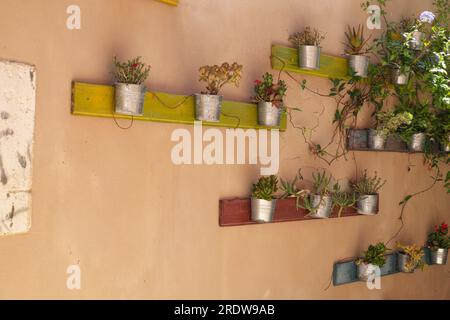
[(265, 188), (368, 185), (321, 183), (355, 40), (375, 255), (342, 199)]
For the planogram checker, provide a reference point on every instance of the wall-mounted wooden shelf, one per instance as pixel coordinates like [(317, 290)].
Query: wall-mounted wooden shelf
[(286, 58), (98, 101), (237, 212), (346, 272)]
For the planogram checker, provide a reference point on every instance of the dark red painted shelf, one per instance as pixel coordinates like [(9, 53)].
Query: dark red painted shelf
[(237, 212)]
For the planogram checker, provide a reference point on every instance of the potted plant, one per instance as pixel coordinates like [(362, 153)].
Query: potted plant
[(367, 189), (358, 62), (308, 44), (409, 258), (438, 242), (415, 133), (418, 34), (320, 202), (129, 88), (263, 201), (387, 123), (373, 258), (269, 97), (342, 200), (208, 104)]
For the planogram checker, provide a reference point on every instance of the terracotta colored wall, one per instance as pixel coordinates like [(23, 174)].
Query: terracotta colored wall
[(139, 226)]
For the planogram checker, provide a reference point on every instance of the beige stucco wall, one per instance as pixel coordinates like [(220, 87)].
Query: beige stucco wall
[(140, 227)]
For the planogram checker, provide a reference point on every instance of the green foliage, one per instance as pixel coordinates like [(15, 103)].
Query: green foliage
[(415, 256), (132, 72), (389, 122), (265, 188), (322, 183), (308, 37), (368, 185), (342, 199), (375, 255), (290, 190), (267, 91), (355, 40), (217, 76), (439, 239)]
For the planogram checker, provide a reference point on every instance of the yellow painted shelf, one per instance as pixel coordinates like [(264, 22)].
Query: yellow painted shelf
[(286, 58), (98, 101), (171, 2)]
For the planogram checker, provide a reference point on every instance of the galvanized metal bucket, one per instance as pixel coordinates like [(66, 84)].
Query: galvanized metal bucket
[(262, 210), (375, 140), (399, 78), (445, 146), (417, 40), (402, 261), (367, 204), (268, 114), (365, 271), (129, 99), (309, 57), (439, 256), (322, 206), (417, 142), (207, 107), (359, 64)]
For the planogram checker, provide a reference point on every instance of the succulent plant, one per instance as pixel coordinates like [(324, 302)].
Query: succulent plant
[(374, 255), (389, 122), (217, 76), (308, 37), (265, 188), (368, 185), (290, 189), (321, 183), (267, 91), (131, 72), (342, 199), (415, 256), (355, 40)]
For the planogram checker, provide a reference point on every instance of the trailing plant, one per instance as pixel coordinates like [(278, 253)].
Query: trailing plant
[(217, 76), (439, 239), (415, 256), (308, 37), (265, 188), (268, 91), (355, 41), (343, 200), (389, 122), (374, 255), (131, 72), (367, 185)]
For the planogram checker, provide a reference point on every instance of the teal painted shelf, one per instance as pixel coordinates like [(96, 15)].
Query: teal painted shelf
[(98, 101)]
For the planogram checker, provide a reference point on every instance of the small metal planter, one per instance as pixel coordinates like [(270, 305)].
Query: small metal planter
[(129, 99), (208, 107), (365, 271), (367, 204), (262, 210), (399, 78), (359, 64), (268, 114), (439, 256), (417, 40), (309, 57), (375, 140), (445, 145), (417, 142), (322, 205), (402, 261)]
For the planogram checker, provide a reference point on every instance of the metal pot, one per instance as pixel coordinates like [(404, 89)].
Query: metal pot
[(309, 57), (417, 142), (375, 140), (359, 64), (129, 98), (399, 78), (322, 206), (263, 210), (439, 256), (445, 145), (367, 204), (402, 261), (207, 107), (417, 40), (268, 114), (365, 271)]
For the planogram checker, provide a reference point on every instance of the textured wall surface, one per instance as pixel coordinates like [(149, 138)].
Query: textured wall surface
[(17, 105), (112, 202)]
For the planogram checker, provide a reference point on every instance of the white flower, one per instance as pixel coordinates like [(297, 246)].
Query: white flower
[(427, 16)]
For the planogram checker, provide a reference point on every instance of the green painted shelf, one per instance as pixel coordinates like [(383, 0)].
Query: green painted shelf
[(98, 101), (286, 58)]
